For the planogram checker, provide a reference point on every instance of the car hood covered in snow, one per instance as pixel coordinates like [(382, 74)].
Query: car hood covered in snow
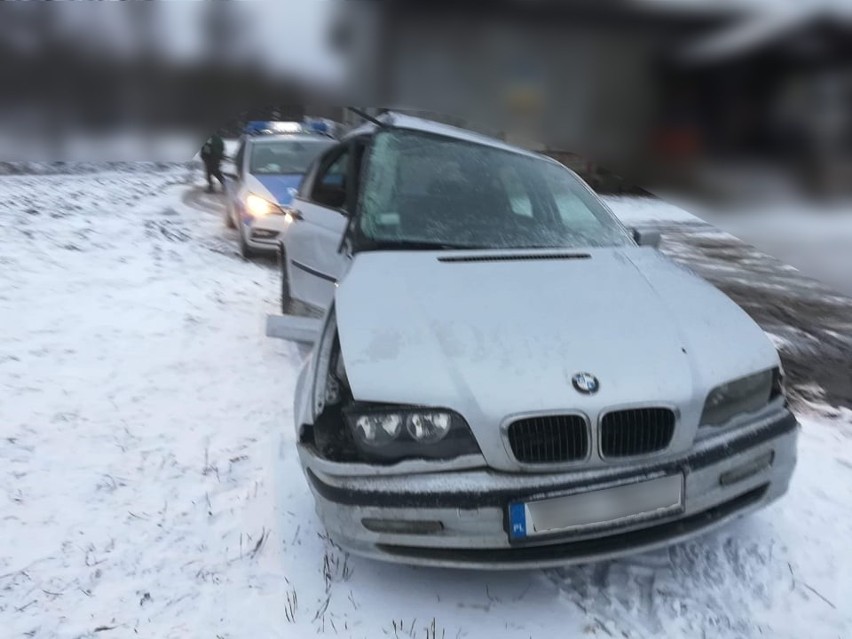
[(493, 338)]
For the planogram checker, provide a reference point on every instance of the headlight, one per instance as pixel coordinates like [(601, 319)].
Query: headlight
[(378, 430), (259, 207), (743, 395), (390, 432), (428, 427)]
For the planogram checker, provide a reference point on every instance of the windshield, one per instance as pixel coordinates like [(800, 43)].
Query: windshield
[(277, 157), (431, 191)]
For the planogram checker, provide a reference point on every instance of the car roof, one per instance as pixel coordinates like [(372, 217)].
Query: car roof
[(402, 121)]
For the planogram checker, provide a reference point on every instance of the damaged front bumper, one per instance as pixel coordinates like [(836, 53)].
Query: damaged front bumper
[(463, 518)]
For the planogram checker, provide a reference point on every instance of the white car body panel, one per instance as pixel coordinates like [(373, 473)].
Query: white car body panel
[(314, 262), (468, 335)]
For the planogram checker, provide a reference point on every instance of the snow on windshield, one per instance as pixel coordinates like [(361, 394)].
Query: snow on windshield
[(427, 189)]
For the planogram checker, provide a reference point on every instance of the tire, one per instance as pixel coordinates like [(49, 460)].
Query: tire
[(229, 217), (286, 298), (245, 250)]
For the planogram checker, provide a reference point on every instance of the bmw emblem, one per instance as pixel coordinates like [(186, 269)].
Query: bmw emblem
[(585, 383)]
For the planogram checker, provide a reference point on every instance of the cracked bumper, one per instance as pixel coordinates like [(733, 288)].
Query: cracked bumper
[(472, 505)]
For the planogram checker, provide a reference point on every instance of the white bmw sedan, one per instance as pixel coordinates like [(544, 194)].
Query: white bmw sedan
[(504, 375)]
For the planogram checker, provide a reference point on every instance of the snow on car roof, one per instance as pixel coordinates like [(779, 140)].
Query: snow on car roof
[(430, 126)]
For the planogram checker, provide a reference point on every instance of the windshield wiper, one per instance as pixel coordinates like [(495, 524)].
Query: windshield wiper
[(420, 245)]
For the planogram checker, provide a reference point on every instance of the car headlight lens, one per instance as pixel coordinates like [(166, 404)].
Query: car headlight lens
[(428, 427), (377, 430), (258, 207), (385, 432), (743, 395)]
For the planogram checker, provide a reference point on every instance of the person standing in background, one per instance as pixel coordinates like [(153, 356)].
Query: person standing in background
[(212, 154)]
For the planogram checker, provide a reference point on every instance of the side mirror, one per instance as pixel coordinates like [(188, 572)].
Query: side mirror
[(647, 237)]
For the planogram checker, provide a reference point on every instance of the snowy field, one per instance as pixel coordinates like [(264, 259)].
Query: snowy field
[(150, 486)]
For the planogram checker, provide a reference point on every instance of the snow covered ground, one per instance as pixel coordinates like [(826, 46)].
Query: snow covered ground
[(145, 494)]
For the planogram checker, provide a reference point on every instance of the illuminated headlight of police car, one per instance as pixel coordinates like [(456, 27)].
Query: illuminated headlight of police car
[(261, 207)]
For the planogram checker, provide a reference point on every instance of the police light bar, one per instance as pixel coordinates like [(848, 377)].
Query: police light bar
[(260, 127), (321, 126), (256, 126), (317, 126), (286, 127)]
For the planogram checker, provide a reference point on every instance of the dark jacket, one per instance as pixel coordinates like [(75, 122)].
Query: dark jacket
[(213, 150)]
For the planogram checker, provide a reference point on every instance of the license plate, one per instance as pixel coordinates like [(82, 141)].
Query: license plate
[(639, 500)]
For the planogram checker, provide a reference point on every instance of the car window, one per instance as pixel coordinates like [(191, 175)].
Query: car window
[(329, 186), (308, 181), (335, 174), (427, 189), (570, 204), (283, 157), (359, 148)]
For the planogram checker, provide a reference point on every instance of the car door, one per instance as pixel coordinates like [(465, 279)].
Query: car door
[(321, 215)]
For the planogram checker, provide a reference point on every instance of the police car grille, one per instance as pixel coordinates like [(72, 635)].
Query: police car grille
[(637, 431), (549, 439)]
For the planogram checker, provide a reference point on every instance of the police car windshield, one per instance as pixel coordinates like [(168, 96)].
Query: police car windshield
[(425, 190), (279, 157)]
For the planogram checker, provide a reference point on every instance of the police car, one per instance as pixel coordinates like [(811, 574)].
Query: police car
[(269, 165)]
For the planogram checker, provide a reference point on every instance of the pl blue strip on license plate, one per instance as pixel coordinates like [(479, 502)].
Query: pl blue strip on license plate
[(517, 521)]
